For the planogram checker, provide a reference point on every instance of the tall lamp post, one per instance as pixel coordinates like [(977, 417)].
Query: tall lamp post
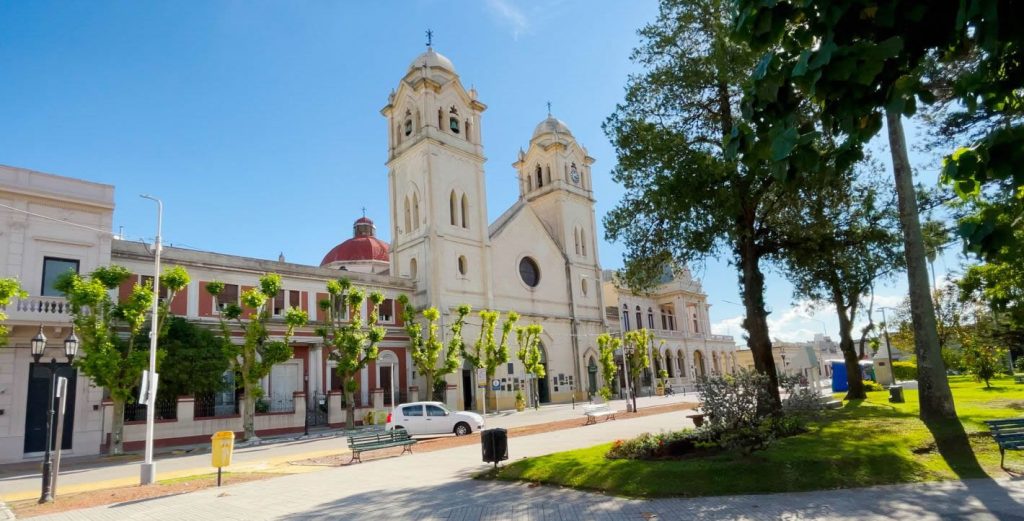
[(888, 349), (148, 471), (70, 350)]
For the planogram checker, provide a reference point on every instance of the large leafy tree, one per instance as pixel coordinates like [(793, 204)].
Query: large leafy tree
[(195, 359), (846, 245), (860, 62), (113, 360), (684, 198), (488, 353), (258, 353), (351, 343), (426, 350), (9, 289)]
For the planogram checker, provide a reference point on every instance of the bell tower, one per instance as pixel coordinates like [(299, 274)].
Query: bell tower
[(436, 185)]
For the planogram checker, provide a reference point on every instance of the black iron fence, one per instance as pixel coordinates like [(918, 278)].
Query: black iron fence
[(208, 406), (166, 409)]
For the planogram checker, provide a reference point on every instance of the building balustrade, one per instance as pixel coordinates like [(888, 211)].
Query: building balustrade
[(39, 309)]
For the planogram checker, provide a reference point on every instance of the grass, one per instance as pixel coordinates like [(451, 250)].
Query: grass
[(867, 442)]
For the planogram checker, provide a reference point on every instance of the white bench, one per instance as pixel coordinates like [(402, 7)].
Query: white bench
[(593, 412)]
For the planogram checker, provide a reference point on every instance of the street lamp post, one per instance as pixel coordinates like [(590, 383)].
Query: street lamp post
[(70, 350), (148, 471)]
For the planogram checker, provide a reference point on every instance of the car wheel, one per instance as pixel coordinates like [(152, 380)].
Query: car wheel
[(462, 429)]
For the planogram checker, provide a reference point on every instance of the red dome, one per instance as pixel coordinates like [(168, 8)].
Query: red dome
[(358, 249), (363, 246)]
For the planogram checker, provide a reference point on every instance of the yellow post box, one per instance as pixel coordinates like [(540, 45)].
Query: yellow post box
[(223, 444)]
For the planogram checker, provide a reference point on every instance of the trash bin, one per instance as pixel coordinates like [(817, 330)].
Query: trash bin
[(223, 444), (494, 443), (896, 394)]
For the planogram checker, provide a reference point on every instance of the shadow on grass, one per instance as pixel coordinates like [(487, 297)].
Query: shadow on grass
[(954, 446)]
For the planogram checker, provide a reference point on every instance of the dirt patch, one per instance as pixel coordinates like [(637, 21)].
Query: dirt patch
[(432, 444), (30, 507)]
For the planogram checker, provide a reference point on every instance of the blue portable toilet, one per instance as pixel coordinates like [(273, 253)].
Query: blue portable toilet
[(839, 383)]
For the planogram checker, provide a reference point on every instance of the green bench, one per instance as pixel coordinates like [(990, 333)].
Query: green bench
[(368, 441), (1009, 435)]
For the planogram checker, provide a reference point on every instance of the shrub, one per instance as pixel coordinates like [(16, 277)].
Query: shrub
[(1019, 364), (954, 359), (653, 446), (733, 406), (984, 361), (800, 399), (904, 370), (870, 386)]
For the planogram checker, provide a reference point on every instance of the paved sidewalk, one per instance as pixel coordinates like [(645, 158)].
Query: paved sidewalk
[(437, 485), (98, 473)]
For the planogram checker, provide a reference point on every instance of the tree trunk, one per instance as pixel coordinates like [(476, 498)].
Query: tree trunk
[(934, 395), (117, 427), (249, 415), (853, 377), (756, 321), (350, 409)]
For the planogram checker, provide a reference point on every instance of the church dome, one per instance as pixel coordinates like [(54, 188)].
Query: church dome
[(363, 246), (432, 59), (551, 125)]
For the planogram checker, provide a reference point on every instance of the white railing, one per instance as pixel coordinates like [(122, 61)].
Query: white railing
[(44, 309), (683, 334)]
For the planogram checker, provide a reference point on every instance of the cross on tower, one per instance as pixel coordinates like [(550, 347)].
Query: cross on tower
[(364, 211), (430, 37), (549, 108)]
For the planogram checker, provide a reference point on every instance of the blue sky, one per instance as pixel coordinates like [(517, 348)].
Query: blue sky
[(258, 123)]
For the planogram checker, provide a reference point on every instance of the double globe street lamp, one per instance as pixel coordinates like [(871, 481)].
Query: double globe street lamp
[(70, 350)]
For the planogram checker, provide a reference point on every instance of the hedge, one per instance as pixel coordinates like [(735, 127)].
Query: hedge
[(905, 370)]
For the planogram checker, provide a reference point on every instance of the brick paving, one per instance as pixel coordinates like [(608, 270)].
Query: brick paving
[(437, 485)]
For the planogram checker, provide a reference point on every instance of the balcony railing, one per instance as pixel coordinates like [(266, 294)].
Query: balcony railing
[(39, 309)]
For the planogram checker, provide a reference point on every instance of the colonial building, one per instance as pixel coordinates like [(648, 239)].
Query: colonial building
[(676, 311), (538, 258)]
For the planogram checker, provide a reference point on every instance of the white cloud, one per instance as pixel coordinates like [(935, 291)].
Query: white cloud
[(511, 15)]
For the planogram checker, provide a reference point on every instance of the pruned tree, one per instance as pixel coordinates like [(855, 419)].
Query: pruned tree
[(636, 347), (258, 353), (107, 356), (9, 289), (426, 350), (528, 338), (487, 353), (606, 347), (351, 342)]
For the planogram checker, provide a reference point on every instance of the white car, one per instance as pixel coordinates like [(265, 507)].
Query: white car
[(433, 418)]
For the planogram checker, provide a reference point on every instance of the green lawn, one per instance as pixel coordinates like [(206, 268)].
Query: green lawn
[(866, 443)]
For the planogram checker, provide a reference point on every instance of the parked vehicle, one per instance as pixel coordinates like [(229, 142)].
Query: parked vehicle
[(433, 418)]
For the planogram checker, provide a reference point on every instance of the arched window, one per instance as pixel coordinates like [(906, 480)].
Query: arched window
[(462, 265), (583, 242), (540, 177), (408, 126), (650, 318), (639, 318), (625, 317), (412, 268), (415, 212), (451, 207), (465, 211), (440, 114), (576, 239), (408, 216), (547, 174)]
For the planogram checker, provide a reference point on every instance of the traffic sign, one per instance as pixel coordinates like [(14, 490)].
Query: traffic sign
[(495, 384)]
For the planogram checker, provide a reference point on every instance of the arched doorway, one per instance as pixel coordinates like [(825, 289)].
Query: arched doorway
[(716, 363), (682, 363), (668, 364), (543, 395), (699, 370), (387, 375), (592, 376), (468, 387)]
